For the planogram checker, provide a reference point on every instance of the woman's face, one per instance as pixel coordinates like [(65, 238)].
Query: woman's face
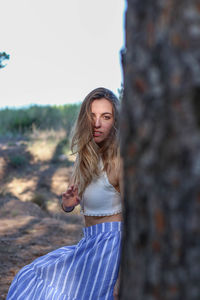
[(103, 119)]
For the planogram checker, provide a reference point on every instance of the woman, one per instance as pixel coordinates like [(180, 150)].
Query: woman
[(88, 270)]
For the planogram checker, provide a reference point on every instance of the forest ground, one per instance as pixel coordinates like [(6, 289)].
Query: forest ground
[(33, 174)]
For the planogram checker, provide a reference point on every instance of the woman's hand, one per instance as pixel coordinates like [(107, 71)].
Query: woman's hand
[(70, 197)]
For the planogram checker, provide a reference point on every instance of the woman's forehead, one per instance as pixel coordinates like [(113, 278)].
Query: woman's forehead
[(101, 106)]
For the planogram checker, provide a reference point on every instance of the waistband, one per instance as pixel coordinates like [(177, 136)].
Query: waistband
[(102, 227)]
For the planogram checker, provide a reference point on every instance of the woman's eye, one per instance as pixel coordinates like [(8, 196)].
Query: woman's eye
[(107, 117)]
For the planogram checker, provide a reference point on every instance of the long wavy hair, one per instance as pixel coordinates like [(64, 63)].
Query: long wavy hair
[(86, 166)]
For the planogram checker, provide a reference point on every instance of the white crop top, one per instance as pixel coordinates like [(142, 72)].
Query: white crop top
[(100, 198)]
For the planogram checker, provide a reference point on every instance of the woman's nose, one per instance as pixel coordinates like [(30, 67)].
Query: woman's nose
[(97, 123)]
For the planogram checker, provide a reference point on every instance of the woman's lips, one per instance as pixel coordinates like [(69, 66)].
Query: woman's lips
[(97, 133)]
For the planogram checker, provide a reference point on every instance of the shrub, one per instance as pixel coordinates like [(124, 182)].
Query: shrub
[(40, 200), (41, 117), (17, 160)]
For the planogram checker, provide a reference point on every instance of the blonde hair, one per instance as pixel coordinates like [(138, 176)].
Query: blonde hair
[(83, 144)]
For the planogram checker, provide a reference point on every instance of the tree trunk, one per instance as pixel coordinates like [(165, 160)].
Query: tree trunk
[(160, 131)]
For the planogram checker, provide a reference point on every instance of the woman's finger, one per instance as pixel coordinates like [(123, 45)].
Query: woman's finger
[(65, 197)]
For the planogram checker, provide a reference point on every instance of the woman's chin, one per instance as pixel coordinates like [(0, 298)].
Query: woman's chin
[(98, 140)]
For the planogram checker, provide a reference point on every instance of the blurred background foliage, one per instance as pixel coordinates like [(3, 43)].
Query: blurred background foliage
[(23, 120)]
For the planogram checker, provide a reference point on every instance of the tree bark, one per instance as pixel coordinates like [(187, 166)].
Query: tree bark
[(160, 130)]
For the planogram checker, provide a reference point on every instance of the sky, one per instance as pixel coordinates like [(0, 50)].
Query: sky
[(59, 50)]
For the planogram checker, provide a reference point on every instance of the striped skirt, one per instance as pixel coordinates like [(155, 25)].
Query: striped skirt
[(86, 271)]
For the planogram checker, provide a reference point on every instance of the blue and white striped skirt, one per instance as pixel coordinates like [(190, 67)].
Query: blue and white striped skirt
[(86, 271)]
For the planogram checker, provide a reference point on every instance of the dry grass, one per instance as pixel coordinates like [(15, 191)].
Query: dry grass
[(43, 143), (43, 146), (42, 150), (22, 188), (47, 134)]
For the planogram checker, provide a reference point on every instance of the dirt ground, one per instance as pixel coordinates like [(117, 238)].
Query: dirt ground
[(31, 221)]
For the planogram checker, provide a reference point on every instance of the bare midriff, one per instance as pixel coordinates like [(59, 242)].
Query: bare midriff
[(93, 220)]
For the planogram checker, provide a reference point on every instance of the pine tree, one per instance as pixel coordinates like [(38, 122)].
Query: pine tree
[(160, 131)]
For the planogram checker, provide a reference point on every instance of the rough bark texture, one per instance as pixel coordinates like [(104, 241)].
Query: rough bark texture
[(161, 150)]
